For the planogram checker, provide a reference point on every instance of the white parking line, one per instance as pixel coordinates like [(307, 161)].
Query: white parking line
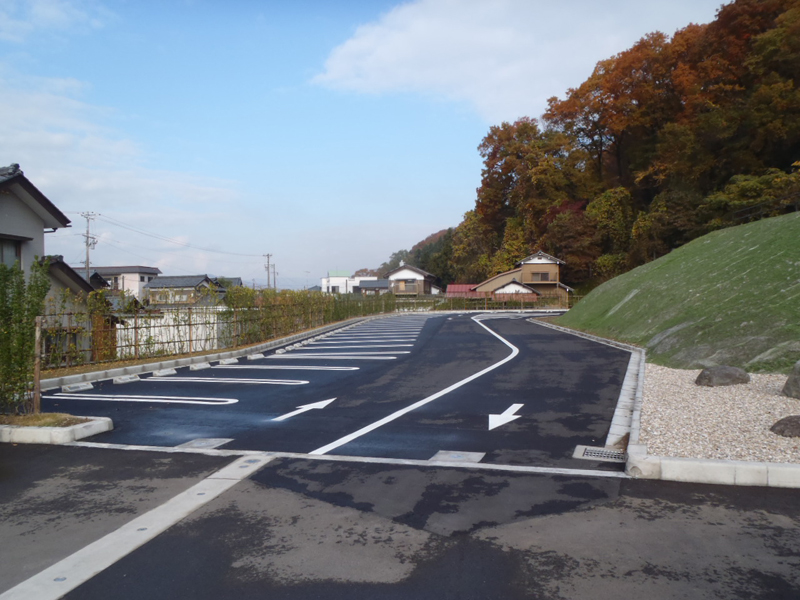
[(386, 330), (359, 340), (390, 336), (395, 415), (289, 367), (59, 579), (370, 346), (228, 380), (296, 353), (331, 356), (375, 334), (157, 399)]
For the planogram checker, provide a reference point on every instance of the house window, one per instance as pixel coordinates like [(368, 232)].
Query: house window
[(541, 276), (141, 278), (10, 252), (334, 289), (116, 283)]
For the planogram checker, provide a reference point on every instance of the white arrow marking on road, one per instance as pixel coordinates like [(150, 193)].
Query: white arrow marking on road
[(304, 408), (507, 416)]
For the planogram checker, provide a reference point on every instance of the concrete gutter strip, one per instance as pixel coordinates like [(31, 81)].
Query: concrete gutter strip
[(588, 336)]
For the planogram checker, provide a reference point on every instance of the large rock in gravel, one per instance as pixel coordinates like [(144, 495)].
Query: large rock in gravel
[(787, 426), (717, 376), (792, 387)]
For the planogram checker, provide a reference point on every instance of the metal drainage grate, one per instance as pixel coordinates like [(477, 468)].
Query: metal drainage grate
[(600, 454)]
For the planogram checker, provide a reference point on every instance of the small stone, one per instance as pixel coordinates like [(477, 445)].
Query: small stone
[(722, 375), (792, 387), (787, 426)]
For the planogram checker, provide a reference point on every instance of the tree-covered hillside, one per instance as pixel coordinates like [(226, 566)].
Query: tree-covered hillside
[(664, 142)]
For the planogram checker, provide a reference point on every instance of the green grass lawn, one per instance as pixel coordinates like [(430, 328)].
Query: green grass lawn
[(731, 297)]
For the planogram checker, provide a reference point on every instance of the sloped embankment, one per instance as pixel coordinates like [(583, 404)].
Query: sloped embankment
[(730, 297)]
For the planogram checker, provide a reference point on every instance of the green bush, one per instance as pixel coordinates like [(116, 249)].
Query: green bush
[(21, 302)]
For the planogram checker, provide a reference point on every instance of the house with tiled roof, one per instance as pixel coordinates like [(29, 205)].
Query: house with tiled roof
[(539, 273), (407, 280), (181, 290)]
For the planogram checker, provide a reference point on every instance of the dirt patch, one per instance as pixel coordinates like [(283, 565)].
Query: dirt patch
[(42, 420)]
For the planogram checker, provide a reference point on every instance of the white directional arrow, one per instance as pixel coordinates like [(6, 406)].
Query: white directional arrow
[(507, 416), (304, 408)]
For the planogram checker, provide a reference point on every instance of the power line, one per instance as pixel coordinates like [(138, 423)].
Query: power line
[(170, 240)]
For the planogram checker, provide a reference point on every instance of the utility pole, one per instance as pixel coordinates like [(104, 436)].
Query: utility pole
[(90, 240), (266, 267), (274, 278)]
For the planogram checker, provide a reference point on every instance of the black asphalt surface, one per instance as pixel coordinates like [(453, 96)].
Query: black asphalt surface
[(304, 529), (55, 500), (568, 387)]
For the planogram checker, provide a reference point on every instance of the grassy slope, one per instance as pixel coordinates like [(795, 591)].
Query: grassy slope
[(730, 297)]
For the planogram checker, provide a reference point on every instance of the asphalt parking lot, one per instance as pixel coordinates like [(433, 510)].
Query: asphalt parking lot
[(317, 473), (406, 387), (296, 529)]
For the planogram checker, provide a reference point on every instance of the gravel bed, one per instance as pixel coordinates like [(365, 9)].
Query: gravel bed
[(733, 422)]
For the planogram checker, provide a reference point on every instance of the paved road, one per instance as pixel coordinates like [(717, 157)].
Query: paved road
[(302, 528), (404, 387)]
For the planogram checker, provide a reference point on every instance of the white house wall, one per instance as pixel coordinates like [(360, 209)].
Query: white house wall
[(17, 219), (513, 288), (539, 260), (404, 274), (346, 285)]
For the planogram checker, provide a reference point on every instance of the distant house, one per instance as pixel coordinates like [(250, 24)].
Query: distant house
[(341, 282), (132, 279), (25, 214), (374, 288), (180, 290), (64, 277), (406, 280), (229, 282), (538, 273)]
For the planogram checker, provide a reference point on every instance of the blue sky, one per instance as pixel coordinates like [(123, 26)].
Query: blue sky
[(326, 133)]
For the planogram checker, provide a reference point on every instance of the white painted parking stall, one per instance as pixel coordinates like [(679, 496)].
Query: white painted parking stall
[(405, 387)]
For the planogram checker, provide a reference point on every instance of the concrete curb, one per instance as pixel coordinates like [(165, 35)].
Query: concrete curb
[(722, 472), (57, 382), (641, 465), (14, 434)]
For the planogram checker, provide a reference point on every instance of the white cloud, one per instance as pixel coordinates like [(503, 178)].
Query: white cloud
[(20, 19), (72, 152), (503, 58)]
